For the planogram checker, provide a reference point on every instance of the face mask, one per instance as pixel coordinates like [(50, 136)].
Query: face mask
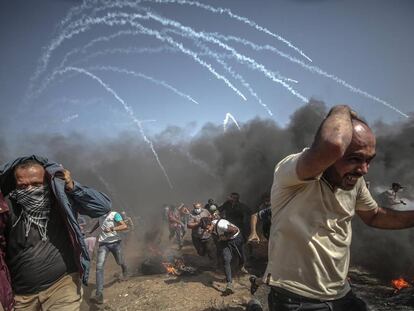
[(35, 203), (32, 198), (197, 211)]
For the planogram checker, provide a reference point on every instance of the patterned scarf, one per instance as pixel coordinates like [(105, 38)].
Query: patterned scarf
[(35, 204)]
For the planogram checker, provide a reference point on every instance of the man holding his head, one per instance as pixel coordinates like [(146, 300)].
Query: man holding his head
[(45, 250), (315, 195)]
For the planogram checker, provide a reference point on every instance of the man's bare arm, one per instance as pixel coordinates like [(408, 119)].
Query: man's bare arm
[(119, 226), (330, 143), (192, 224), (253, 237), (384, 218)]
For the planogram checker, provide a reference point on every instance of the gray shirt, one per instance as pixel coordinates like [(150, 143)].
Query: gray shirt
[(198, 232)]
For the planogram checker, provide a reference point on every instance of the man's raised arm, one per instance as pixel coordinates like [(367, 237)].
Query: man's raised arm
[(331, 141)]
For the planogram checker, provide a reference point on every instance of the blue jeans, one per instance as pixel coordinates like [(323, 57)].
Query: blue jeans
[(116, 250), (282, 300)]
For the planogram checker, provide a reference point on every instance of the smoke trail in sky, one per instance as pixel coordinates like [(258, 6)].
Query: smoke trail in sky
[(112, 19), (237, 76), (84, 49), (128, 110), (239, 57), (70, 118), (130, 50), (208, 52), (124, 18), (216, 10), (204, 52), (227, 119), (89, 12), (143, 76), (311, 68)]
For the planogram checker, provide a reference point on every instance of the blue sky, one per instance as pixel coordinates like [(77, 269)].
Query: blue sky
[(368, 44)]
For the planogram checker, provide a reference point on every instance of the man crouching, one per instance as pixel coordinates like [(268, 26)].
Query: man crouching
[(229, 245)]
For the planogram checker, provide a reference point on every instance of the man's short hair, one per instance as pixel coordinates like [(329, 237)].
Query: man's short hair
[(235, 194), (205, 222), (396, 185), (26, 164)]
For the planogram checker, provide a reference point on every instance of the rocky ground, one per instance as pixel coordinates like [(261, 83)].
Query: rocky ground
[(203, 291)]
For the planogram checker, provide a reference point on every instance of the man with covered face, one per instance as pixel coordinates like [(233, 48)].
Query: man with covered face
[(45, 250), (314, 196), (202, 239)]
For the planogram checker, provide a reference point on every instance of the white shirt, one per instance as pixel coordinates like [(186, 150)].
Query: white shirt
[(221, 226), (106, 222)]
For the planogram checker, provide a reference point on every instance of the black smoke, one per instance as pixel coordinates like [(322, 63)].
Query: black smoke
[(214, 163)]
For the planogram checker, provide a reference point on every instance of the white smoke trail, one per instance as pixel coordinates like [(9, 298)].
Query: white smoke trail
[(311, 68), (239, 57), (235, 75), (125, 18), (128, 110), (208, 52), (227, 119), (216, 10), (84, 49), (121, 19), (143, 76), (70, 118), (126, 51), (160, 49), (51, 77)]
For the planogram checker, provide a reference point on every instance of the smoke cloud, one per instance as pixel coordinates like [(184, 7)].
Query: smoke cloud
[(214, 163)]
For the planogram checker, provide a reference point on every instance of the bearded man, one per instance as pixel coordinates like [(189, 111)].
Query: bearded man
[(315, 195)]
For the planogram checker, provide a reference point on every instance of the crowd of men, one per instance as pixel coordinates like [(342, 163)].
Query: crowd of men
[(307, 220)]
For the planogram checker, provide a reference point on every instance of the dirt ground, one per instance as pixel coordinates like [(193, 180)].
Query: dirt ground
[(201, 291)]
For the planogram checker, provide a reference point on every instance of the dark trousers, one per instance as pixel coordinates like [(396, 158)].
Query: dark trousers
[(229, 250), (282, 300), (204, 246)]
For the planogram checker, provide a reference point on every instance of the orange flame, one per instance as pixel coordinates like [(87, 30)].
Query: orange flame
[(170, 269), (400, 283)]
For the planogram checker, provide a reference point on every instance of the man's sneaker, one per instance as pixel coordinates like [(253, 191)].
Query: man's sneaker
[(229, 288), (98, 299), (243, 270), (124, 276)]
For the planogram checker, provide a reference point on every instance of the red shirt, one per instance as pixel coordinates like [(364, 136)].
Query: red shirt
[(6, 293)]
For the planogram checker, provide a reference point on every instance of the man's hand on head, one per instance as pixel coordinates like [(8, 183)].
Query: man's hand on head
[(67, 178), (353, 114)]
